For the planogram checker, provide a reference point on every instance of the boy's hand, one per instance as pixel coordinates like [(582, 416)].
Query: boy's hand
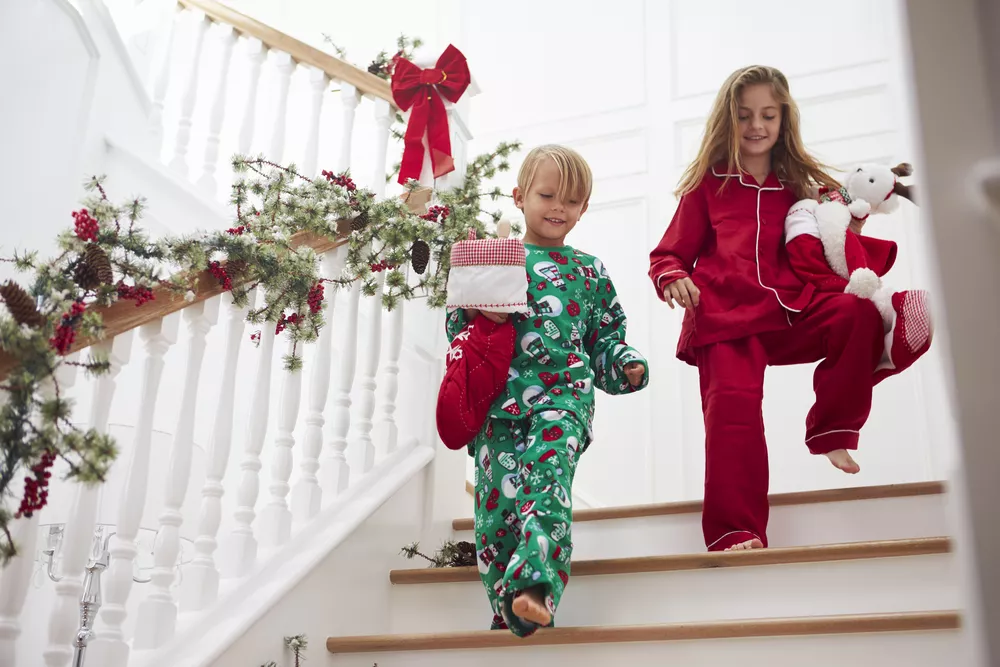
[(684, 292), (635, 372), (472, 313)]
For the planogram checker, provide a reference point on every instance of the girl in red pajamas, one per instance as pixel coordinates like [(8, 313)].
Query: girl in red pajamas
[(723, 259)]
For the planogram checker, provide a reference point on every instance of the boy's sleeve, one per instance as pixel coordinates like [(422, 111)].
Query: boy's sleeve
[(674, 257), (454, 323), (606, 346)]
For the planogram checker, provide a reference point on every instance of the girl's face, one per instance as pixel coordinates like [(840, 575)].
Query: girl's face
[(759, 120)]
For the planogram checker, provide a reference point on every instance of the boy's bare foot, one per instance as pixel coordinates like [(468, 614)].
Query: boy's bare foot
[(749, 544), (841, 459), (530, 606)]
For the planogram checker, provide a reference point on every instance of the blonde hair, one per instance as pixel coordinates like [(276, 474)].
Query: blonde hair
[(575, 179), (789, 159)]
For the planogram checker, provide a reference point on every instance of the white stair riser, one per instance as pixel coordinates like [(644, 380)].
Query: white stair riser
[(883, 585), (795, 525), (927, 649)]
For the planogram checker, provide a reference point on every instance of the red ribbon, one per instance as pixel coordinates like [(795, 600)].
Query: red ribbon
[(422, 90)]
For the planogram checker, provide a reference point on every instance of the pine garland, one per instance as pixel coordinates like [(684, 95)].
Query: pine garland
[(107, 257)]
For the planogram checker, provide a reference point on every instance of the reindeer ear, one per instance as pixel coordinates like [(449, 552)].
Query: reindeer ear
[(904, 191), (903, 169)]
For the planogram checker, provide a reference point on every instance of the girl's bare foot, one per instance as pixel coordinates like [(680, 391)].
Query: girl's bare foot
[(841, 459), (530, 606), (749, 544)]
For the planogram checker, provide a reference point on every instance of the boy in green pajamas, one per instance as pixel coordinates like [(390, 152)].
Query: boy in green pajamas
[(571, 343)]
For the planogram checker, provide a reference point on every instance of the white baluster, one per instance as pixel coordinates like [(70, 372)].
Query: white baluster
[(208, 181), (16, 576), (307, 496), (276, 518), (157, 616), (335, 472), (318, 85), (334, 469), (373, 341), (79, 534), (256, 54), (163, 79), (14, 583), (241, 545), (179, 162), (109, 648), (201, 580), (387, 434), (349, 99), (284, 67)]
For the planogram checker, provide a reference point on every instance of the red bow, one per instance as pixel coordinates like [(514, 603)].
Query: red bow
[(420, 88)]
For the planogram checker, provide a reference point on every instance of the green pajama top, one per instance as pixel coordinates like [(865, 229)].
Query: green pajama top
[(572, 341)]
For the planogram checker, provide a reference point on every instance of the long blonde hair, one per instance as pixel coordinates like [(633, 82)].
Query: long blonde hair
[(789, 159)]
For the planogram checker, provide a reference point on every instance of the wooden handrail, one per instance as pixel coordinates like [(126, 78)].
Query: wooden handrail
[(122, 315), (366, 82)]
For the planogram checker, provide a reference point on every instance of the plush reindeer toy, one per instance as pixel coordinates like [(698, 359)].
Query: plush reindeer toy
[(824, 252)]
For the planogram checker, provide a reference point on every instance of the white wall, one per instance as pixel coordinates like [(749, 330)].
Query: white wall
[(629, 85)]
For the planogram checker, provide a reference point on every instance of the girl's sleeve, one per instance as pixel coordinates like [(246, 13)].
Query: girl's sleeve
[(454, 323), (677, 251), (606, 346)]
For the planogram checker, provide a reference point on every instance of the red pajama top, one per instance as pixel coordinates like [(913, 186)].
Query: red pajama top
[(731, 244)]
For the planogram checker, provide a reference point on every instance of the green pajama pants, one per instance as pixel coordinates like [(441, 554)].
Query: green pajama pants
[(524, 471)]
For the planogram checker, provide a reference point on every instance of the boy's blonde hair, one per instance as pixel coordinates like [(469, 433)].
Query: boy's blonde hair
[(575, 179), (789, 158)]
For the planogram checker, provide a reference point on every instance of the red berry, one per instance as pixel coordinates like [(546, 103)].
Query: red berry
[(86, 226)]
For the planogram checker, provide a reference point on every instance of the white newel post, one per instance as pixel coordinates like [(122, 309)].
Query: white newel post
[(163, 79), (373, 340), (179, 161), (276, 518), (307, 496), (200, 587), (318, 84), (157, 616), (334, 471), (208, 182), (241, 545), (79, 533), (110, 649), (256, 53), (15, 580), (284, 67)]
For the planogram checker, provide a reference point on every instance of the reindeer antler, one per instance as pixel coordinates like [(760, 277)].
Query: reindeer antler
[(903, 169), (904, 191)]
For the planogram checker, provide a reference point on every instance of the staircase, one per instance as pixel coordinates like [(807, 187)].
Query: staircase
[(863, 576), (279, 507)]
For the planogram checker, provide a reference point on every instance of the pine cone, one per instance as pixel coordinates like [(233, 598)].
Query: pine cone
[(466, 555), (93, 269), (85, 275), (375, 68), (100, 263), (21, 305), (360, 222), (420, 256)]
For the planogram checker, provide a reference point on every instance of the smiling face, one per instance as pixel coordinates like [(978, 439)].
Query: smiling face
[(550, 209), (759, 120)]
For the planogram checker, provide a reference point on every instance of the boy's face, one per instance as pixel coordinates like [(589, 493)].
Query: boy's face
[(547, 219)]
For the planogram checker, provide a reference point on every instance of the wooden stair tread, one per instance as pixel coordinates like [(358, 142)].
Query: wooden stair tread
[(776, 500), (764, 627), (698, 561)]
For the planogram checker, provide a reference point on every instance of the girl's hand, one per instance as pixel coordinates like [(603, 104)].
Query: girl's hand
[(684, 292), (634, 372)]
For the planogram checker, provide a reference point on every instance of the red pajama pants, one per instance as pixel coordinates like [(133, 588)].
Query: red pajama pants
[(843, 331)]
